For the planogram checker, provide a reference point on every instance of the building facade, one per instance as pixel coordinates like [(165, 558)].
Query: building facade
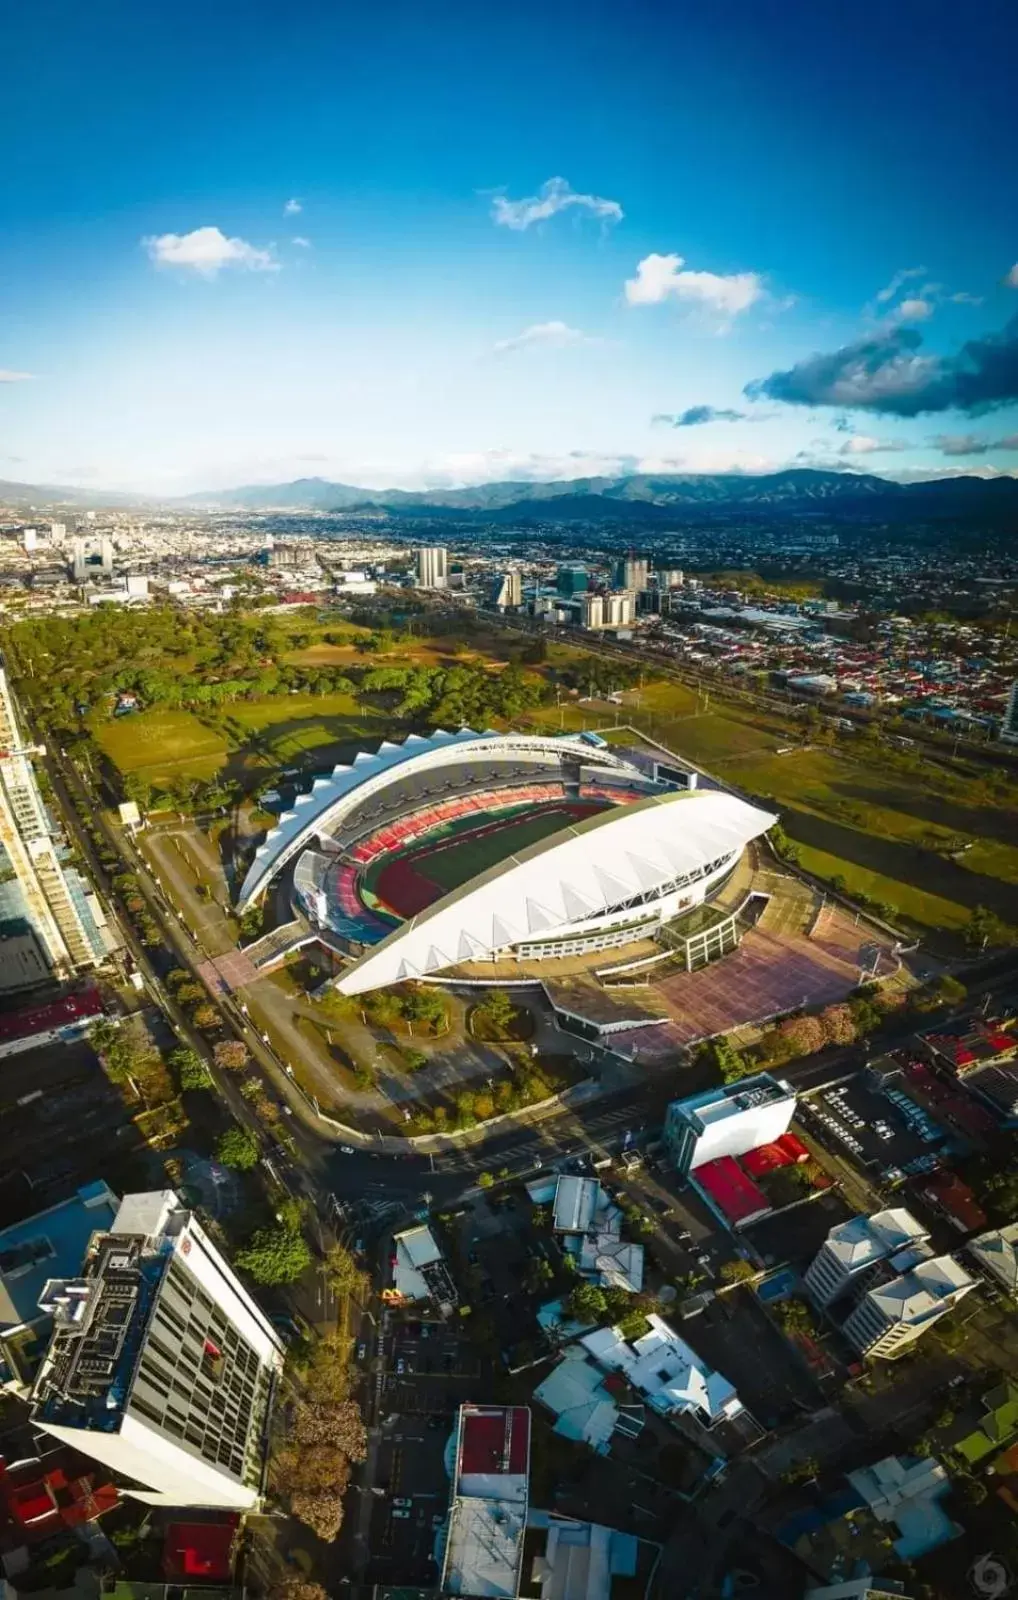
[(433, 567), (852, 1252), (1009, 726), (37, 894), (892, 1316), (728, 1121), (161, 1365)]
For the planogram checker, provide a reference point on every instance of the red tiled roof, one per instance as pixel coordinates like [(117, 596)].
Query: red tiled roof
[(59, 1014), (200, 1550)]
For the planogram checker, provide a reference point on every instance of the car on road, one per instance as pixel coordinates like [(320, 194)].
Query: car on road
[(400, 1515), (362, 1351), (400, 1367), (347, 1150), (402, 1502)]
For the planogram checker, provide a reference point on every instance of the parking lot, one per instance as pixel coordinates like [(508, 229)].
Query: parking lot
[(888, 1134), (411, 1496), (795, 1235), (429, 1368)]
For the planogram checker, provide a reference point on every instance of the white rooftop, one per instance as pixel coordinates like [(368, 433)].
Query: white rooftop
[(662, 1367), (415, 1248), (996, 1253), (920, 1293), (862, 1240), (576, 1201)]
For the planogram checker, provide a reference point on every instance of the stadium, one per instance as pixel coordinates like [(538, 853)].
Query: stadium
[(466, 848)]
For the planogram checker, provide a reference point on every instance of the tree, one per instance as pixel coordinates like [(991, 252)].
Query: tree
[(297, 1589), (205, 1016), (275, 1255), (322, 1513), (838, 1025), (190, 1069), (230, 1055), (803, 1035), (343, 1273), (737, 1271), (496, 1013), (340, 1425), (726, 1061), (485, 1181), (238, 1148), (586, 1303), (985, 929), (314, 1469)]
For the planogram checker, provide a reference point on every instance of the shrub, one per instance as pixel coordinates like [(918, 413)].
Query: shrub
[(238, 1148)]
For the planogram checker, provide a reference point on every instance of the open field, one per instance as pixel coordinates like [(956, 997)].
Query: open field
[(170, 743)]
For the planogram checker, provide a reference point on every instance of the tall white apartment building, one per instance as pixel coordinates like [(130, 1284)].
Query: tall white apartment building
[(619, 608), (508, 590), (161, 1365), (853, 1250), (891, 1316), (592, 610), (432, 567), (633, 573), (36, 890)]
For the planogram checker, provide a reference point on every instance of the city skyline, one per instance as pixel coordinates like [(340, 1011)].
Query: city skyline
[(427, 255)]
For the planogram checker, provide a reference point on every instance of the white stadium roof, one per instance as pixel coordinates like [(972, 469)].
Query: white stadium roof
[(328, 799), (578, 873)]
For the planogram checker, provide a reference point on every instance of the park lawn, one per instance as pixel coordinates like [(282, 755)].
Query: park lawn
[(277, 730), (162, 743), (993, 859), (918, 907)]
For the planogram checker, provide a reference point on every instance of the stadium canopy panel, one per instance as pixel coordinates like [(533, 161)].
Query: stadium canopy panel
[(322, 810), (613, 877)]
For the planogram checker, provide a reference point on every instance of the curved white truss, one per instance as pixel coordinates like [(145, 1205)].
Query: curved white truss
[(330, 799), (568, 882)]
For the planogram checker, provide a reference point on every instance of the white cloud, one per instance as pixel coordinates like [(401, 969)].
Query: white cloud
[(299, 240), (292, 208), (660, 278), (7, 376), (861, 444), (914, 310), (553, 335), (963, 298), (889, 290), (553, 197), (1011, 278), (206, 251)]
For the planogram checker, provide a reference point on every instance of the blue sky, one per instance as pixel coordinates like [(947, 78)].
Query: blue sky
[(541, 241)]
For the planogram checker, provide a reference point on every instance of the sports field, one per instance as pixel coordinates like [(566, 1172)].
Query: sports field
[(410, 882)]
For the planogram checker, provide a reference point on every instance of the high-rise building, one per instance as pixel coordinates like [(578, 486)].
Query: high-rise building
[(591, 611), (57, 532), (161, 1365), (727, 1121), (854, 1249), (669, 577), (106, 554), (508, 594), (1009, 726), (35, 890), (892, 1315), (632, 573), (619, 608), (79, 561), (29, 540), (432, 567), (572, 579)]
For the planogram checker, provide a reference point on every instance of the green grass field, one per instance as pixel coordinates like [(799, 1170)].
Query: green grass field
[(466, 858), (163, 744)]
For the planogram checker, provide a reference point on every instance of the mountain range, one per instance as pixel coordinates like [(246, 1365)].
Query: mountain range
[(634, 498)]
